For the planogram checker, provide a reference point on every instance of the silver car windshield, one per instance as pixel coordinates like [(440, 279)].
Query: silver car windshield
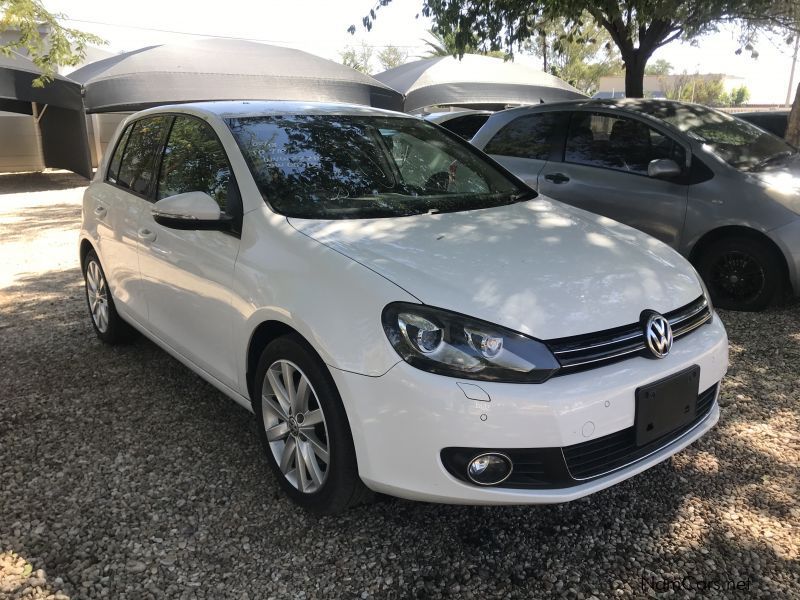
[(737, 142), (348, 167)]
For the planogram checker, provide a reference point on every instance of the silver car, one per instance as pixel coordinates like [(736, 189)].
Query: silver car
[(722, 192), (464, 123)]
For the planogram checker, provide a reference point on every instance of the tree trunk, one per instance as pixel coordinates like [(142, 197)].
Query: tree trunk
[(793, 126), (634, 73)]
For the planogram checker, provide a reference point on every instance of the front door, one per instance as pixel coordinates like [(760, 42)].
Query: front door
[(187, 275), (604, 171)]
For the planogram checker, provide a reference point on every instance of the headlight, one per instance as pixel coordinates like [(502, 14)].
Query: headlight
[(706, 293), (451, 344)]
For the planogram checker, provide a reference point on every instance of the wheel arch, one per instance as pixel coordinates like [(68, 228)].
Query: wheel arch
[(85, 247), (262, 335), (732, 231)]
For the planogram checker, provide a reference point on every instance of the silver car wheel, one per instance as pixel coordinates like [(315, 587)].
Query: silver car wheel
[(97, 294), (295, 426)]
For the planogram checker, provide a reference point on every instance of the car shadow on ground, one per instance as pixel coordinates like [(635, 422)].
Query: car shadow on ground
[(125, 472), (47, 181)]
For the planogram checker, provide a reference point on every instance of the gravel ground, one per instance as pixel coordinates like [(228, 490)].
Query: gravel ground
[(125, 476)]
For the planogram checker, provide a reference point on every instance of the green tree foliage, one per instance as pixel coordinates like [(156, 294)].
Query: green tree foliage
[(637, 27), (739, 95), (358, 58), (702, 89), (37, 33), (391, 57), (455, 43), (578, 56), (658, 67)]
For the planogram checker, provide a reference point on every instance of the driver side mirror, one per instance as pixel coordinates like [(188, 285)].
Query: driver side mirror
[(190, 211), (663, 168)]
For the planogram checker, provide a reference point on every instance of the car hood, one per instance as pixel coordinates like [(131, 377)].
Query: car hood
[(539, 267), (782, 182)]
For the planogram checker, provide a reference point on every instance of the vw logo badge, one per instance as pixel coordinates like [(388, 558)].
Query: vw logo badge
[(658, 335)]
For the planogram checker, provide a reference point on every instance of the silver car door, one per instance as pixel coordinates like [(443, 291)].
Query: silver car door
[(524, 145), (604, 170)]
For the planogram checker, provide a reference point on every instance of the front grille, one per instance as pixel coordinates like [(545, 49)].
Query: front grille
[(610, 452), (581, 352)]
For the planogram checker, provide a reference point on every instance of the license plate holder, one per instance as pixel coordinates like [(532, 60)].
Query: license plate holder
[(666, 405)]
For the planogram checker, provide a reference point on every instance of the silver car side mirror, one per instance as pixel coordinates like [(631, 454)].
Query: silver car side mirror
[(663, 168), (190, 210)]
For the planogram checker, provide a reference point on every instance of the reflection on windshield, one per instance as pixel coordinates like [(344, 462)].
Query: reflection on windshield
[(737, 142), (343, 167)]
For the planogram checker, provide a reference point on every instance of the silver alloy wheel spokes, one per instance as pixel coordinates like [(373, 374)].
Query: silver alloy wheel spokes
[(295, 426), (97, 293)]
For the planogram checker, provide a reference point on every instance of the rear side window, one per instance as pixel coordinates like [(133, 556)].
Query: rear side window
[(525, 137), (136, 171), (617, 143), (116, 159), (466, 126), (195, 161)]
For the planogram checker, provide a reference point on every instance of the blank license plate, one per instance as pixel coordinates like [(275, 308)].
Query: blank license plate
[(666, 405)]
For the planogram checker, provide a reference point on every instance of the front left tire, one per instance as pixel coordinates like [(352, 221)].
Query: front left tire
[(304, 429)]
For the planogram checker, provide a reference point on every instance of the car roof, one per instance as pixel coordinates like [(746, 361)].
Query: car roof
[(762, 113), (446, 115), (635, 105), (251, 108)]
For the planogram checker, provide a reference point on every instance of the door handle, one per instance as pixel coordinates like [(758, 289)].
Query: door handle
[(100, 211), (146, 235), (556, 177)]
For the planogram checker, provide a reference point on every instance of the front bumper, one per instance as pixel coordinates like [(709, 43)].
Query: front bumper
[(788, 239), (402, 420)]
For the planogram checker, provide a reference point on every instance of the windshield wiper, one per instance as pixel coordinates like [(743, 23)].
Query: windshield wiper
[(772, 159)]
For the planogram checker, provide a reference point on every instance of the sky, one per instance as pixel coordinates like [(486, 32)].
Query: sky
[(320, 27)]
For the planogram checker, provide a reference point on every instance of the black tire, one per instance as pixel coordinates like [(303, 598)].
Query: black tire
[(342, 488), (115, 331), (741, 273)]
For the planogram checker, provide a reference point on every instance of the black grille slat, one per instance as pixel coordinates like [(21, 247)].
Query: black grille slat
[(596, 457), (577, 353)]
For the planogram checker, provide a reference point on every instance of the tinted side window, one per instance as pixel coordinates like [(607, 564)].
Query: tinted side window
[(116, 159), (466, 126), (194, 161), (136, 171), (525, 137), (617, 143)]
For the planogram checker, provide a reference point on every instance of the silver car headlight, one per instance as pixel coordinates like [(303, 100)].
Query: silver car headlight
[(706, 293), (448, 343)]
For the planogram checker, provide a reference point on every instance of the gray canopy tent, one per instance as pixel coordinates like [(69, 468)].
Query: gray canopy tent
[(220, 69), (56, 109), (474, 81)]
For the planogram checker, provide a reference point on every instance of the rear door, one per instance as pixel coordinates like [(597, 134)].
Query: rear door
[(187, 275), (524, 145), (117, 205), (604, 170)]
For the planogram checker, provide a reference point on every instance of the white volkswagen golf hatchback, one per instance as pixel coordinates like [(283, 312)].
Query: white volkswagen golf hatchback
[(401, 314)]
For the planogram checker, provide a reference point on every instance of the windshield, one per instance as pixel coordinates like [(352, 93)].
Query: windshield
[(735, 141), (348, 167)]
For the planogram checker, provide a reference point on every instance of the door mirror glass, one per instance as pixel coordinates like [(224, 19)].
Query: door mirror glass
[(663, 168), (191, 210)]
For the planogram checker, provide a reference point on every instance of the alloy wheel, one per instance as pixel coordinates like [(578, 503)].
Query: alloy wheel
[(97, 294), (295, 426), (738, 276)]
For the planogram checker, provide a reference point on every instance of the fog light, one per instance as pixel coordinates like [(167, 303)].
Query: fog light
[(489, 469)]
